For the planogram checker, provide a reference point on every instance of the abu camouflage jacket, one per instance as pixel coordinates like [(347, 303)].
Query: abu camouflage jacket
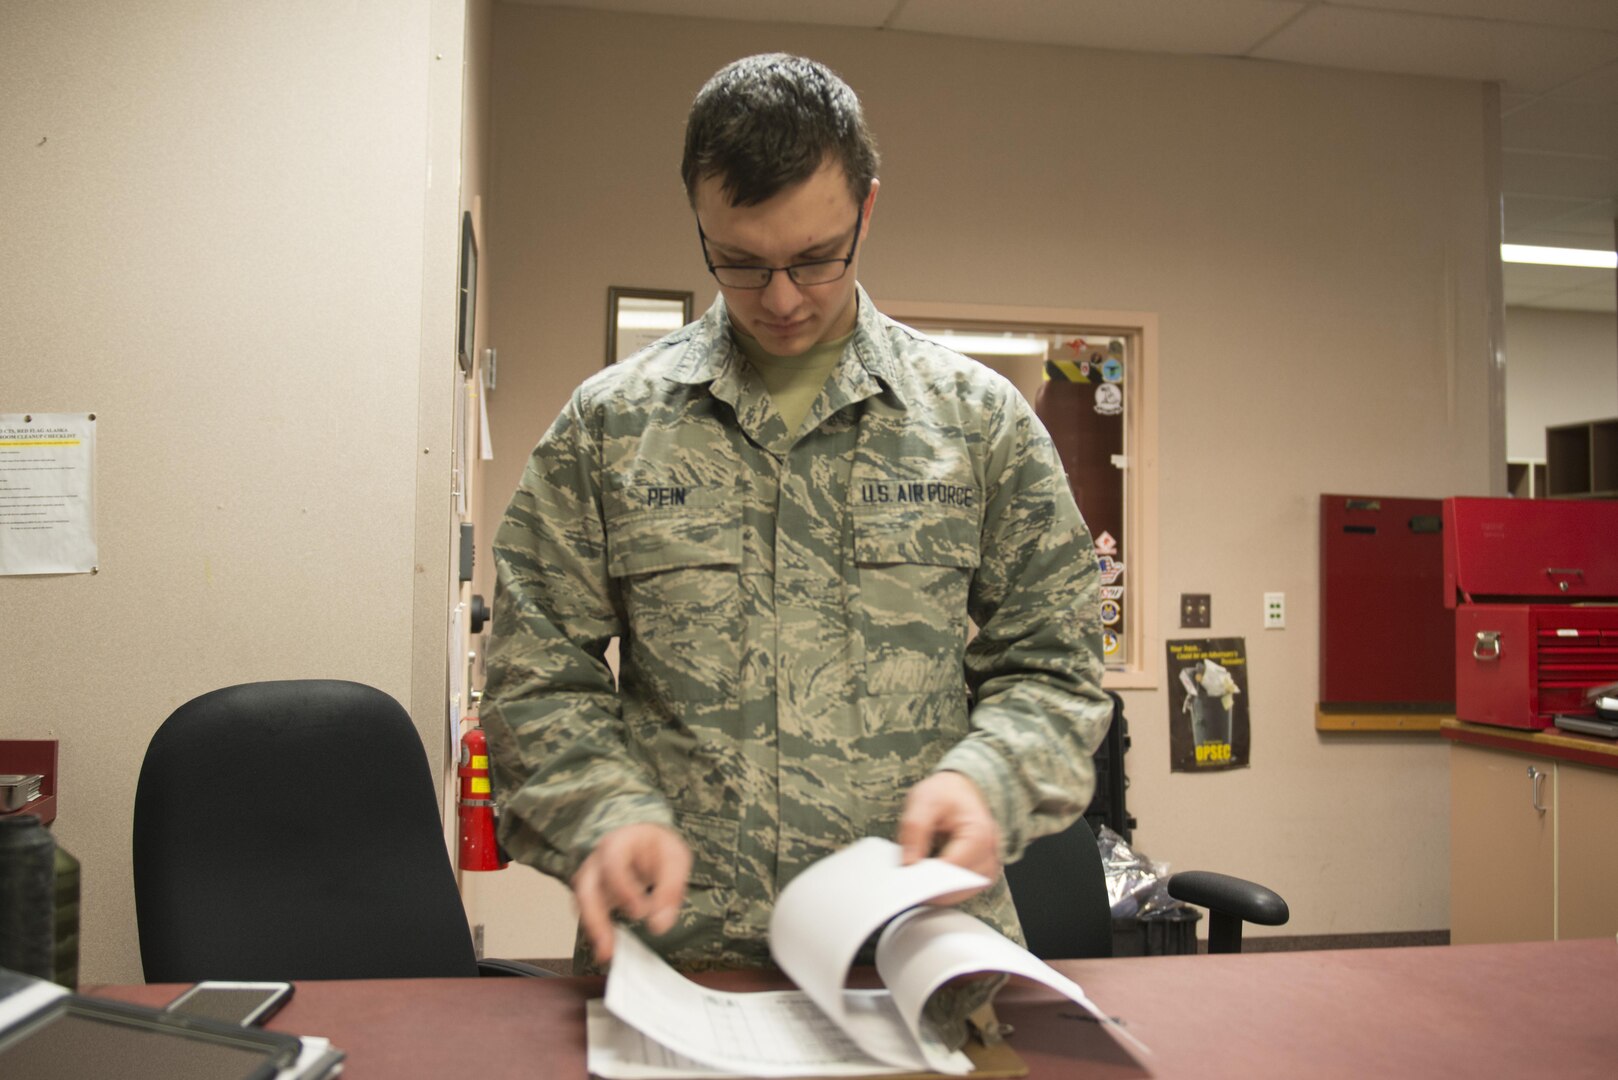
[(792, 615)]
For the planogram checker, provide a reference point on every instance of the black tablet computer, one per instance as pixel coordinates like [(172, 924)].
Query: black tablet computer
[(73, 1037)]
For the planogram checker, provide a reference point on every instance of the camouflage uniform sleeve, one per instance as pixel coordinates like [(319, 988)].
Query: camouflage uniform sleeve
[(1034, 667), (562, 772)]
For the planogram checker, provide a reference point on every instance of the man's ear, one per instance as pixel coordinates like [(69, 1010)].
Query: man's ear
[(870, 206)]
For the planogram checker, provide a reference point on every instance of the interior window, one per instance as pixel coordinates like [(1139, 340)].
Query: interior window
[(1082, 383)]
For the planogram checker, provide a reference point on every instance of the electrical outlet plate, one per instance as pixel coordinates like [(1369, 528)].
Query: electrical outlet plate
[(1275, 611), (1196, 611)]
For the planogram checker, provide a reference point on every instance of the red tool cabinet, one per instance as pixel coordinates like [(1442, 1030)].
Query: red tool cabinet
[(1387, 639), (1534, 584)]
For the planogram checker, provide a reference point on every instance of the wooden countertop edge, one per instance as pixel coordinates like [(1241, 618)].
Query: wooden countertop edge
[(1567, 746), (1372, 721)]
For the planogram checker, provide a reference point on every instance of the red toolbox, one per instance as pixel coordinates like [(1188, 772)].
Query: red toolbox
[(1534, 584)]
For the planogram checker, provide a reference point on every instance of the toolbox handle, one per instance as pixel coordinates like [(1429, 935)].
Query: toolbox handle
[(1487, 646), (1564, 572)]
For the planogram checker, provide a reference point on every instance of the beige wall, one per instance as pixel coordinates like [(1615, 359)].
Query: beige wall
[(1315, 244), (230, 232), (1561, 368)]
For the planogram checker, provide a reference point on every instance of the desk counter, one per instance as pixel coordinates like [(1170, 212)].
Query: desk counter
[(1533, 1009), (1591, 750)]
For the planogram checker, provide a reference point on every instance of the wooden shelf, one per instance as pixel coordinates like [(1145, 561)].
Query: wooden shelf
[(1581, 460), (1374, 721), (1525, 479)]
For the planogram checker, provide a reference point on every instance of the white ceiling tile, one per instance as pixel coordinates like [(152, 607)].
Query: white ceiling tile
[(1568, 126), (865, 13), (1575, 300), (1525, 279), (1594, 299), (1514, 298), (1561, 287), (1556, 236), (1527, 59), (1595, 220), (1597, 234), (1599, 84), (1583, 224), (1214, 27), (1565, 175), (1590, 14), (1519, 287), (1536, 211), (1556, 278)]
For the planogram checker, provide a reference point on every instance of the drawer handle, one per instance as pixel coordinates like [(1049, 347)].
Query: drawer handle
[(1536, 776), (1487, 646)]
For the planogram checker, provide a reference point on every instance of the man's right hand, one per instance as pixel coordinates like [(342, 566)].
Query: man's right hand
[(638, 870)]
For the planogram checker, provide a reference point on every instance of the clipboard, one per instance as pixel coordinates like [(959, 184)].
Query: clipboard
[(990, 1061)]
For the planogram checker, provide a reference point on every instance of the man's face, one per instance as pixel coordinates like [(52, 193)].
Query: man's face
[(811, 221)]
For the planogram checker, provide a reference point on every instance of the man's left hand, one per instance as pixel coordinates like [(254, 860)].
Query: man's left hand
[(945, 815)]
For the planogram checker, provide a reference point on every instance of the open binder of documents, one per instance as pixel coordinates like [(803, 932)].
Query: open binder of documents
[(655, 1024)]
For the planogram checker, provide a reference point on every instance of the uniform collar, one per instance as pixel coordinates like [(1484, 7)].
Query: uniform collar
[(711, 356)]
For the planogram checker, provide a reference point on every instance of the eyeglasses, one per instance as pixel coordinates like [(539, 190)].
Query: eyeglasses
[(817, 272)]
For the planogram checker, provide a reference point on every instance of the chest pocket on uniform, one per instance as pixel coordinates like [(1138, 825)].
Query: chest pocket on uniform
[(915, 568), (675, 552)]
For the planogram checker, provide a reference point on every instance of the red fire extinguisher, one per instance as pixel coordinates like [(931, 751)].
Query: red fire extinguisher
[(479, 848)]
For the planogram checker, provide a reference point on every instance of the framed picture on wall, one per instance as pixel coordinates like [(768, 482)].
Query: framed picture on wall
[(468, 294), (638, 317)]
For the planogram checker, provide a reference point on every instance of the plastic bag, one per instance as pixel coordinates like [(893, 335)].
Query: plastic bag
[(1136, 885)]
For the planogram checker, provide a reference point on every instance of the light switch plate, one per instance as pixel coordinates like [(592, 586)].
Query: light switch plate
[(1196, 611)]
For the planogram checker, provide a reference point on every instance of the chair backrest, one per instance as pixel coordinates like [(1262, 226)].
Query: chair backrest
[(1059, 888), (290, 830)]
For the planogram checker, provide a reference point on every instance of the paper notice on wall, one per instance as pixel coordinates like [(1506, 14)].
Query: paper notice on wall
[(47, 493), (1209, 728), (485, 441)]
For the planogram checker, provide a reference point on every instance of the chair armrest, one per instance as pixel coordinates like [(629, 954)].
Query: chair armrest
[(488, 967), (1220, 892)]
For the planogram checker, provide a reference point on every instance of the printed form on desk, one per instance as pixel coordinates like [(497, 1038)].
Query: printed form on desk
[(655, 1024)]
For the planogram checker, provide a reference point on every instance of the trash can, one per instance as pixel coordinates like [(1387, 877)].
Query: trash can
[(1170, 931)]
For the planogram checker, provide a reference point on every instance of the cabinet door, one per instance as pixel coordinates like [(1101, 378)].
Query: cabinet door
[(1587, 864), (1501, 854)]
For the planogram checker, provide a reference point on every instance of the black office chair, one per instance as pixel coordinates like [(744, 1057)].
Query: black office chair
[(1059, 888), (290, 830)]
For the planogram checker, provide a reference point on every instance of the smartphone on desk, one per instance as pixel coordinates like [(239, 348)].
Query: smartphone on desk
[(249, 1004)]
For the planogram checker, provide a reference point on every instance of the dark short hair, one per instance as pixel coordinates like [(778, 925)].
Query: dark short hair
[(766, 122)]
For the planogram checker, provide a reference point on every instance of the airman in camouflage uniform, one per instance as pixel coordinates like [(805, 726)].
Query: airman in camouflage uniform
[(791, 608)]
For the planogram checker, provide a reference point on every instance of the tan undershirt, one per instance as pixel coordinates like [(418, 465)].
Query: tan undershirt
[(793, 382)]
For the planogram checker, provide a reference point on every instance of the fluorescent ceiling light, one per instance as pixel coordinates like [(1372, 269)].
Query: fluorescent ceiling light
[(992, 344), (1554, 256)]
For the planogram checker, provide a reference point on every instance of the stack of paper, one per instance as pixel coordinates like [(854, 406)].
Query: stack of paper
[(656, 1024)]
